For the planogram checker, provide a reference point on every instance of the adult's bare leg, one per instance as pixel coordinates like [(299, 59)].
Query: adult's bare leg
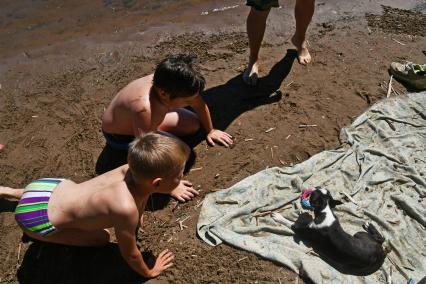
[(256, 25), (303, 12)]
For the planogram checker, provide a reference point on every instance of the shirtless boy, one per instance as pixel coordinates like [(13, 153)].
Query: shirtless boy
[(156, 103), (60, 211)]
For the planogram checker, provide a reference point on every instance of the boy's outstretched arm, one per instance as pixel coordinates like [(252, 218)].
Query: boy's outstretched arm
[(213, 135), (125, 225)]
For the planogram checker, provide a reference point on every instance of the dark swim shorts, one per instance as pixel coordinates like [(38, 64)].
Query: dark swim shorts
[(118, 141), (262, 5)]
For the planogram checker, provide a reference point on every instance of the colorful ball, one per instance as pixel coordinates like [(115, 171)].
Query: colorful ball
[(304, 198)]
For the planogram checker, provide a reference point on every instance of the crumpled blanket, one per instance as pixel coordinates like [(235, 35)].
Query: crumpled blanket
[(381, 165)]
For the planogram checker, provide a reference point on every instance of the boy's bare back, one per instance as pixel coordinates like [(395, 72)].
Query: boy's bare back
[(133, 103), (89, 205)]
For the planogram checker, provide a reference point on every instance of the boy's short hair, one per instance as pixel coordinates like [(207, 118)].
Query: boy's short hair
[(154, 155), (178, 75)]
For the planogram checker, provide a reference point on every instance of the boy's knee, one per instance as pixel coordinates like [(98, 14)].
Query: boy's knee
[(195, 126)]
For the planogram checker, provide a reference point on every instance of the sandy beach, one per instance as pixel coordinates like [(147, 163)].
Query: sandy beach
[(61, 62)]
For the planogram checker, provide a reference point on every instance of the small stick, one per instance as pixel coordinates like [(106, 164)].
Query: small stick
[(390, 275), (288, 136), (269, 130), (399, 268), (169, 240), (226, 202), (289, 84), (241, 259), (297, 158), (349, 197), (186, 218), (307, 125), (248, 139), (395, 91), (272, 153), (389, 86), (181, 225), (199, 203), (196, 169), (281, 162), (19, 251), (398, 42), (279, 281)]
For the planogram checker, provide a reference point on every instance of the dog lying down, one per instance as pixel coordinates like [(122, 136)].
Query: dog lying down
[(362, 253)]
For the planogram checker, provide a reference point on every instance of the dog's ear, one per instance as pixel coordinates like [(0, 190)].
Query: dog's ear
[(331, 202)]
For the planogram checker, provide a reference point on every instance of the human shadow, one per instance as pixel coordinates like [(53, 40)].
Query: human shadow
[(230, 100), (52, 263), (324, 248), (7, 205)]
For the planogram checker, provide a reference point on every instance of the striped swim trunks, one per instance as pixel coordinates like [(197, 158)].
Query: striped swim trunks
[(31, 212)]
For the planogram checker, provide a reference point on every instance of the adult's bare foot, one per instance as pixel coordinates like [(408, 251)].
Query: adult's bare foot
[(303, 55), (251, 74)]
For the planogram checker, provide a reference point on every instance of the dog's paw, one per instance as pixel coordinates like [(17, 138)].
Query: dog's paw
[(277, 217)]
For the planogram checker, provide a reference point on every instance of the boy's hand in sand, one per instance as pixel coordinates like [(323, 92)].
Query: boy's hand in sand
[(163, 261), (220, 137), (184, 191)]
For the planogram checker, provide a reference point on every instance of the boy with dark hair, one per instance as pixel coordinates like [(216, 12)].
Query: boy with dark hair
[(61, 211), (156, 103)]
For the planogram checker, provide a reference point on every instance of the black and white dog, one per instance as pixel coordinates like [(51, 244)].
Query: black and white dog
[(363, 252)]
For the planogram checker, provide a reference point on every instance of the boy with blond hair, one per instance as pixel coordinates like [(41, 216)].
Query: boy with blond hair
[(61, 211)]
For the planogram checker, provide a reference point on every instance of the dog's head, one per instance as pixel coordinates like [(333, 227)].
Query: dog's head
[(321, 197)]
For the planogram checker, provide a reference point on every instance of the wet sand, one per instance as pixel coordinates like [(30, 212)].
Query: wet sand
[(61, 62)]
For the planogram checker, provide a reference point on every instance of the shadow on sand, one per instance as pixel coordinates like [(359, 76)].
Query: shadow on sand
[(51, 263), (7, 205)]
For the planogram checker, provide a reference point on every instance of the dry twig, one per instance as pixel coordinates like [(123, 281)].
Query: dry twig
[(398, 42), (269, 129), (196, 169), (307, 125), (389, 86), (226, 202), (349, 197)]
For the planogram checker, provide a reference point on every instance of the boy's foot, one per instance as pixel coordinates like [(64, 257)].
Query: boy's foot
[(251, 74), (1, 147), (5, 192), (303, 55)]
